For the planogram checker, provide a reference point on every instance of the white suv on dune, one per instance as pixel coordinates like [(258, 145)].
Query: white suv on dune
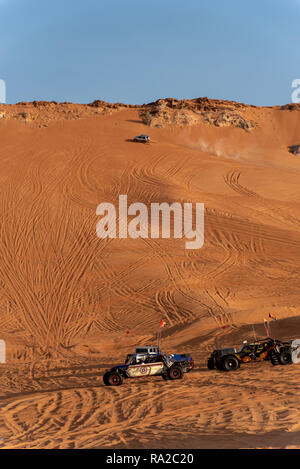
[(142, 138)]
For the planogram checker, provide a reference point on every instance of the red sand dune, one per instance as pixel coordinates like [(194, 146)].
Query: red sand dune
[(68, 299)]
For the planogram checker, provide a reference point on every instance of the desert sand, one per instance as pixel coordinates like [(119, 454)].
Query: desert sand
[(72, 305)]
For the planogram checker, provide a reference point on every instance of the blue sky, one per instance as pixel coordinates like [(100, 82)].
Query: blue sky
[(136, 51)]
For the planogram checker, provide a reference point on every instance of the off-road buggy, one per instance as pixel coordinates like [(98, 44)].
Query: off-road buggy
[(228, 359), (149, 364)]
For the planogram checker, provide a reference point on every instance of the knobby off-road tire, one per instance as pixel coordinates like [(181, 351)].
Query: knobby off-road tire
[(285, 358), (230, 363), (274, 359), (112, 379), (175, 372)]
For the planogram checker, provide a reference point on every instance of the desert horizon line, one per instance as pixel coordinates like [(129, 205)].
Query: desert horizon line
[(136, 105)]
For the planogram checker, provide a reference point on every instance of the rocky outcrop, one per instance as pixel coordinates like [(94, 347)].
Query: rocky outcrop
[(228, 118), (171, 111), (42, 113)]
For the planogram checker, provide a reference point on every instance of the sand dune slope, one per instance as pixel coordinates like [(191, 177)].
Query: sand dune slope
[(72, 304)]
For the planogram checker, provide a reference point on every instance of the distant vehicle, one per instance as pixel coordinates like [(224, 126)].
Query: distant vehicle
[(149, 364), (142, 138), (228, 359)]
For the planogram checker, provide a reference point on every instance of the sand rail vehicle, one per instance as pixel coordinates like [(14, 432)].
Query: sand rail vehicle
[(228, 359), (140, 365)]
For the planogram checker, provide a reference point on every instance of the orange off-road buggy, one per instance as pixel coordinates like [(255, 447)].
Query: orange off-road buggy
[(228, 359)]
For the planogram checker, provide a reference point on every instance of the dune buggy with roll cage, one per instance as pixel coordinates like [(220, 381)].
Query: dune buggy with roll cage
[(149, 364), (229, 359)]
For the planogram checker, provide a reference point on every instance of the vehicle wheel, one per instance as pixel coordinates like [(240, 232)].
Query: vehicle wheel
[(285, 358), (274, 359), (175, 372), (165, 377), (230, 363), (114, 379), (210, 364)]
